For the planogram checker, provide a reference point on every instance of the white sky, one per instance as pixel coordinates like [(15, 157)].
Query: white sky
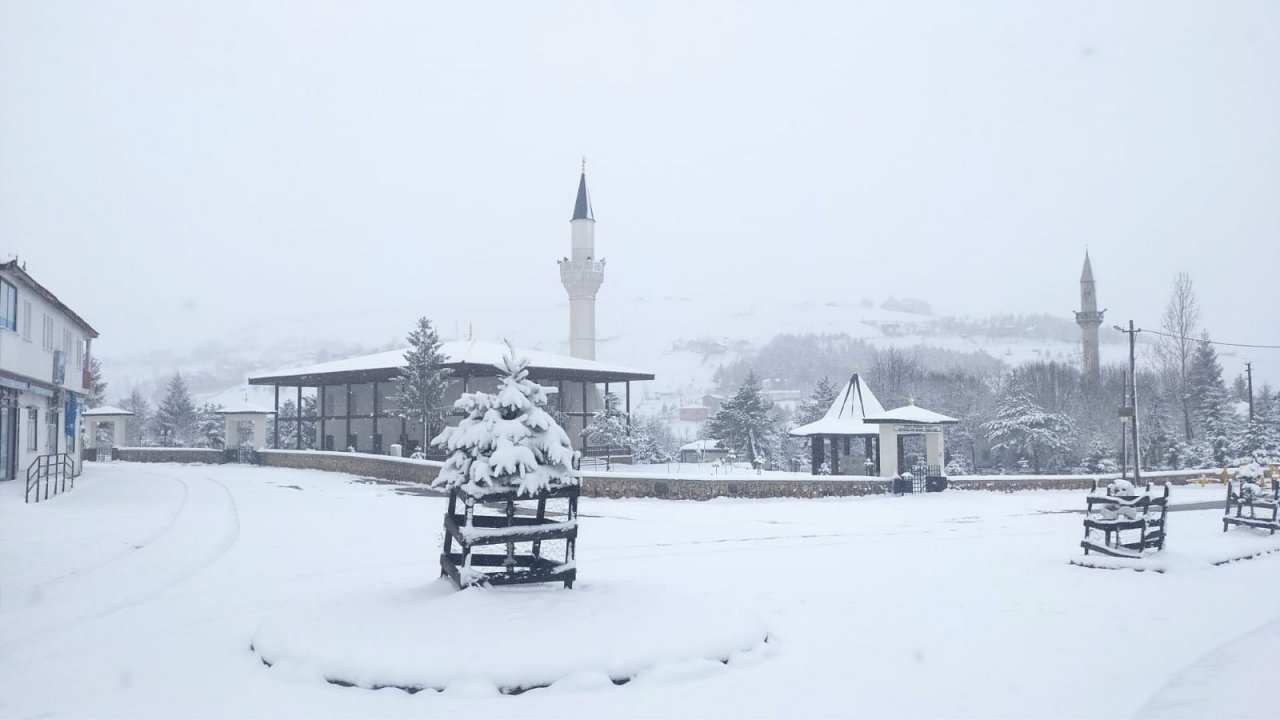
[(240, 157)]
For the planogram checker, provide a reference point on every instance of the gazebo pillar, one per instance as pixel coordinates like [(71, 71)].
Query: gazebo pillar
[(835, 456), (816, 443), (933, 450), (888, 454)]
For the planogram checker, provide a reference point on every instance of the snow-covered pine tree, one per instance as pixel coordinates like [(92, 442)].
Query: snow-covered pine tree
[(421, 385), (137, 428), (176, 417), (652, 441), (508, 440), (608, 429), (1100, 457), (812, 408), (1210, 406), (745, 423), (211, 427), (97, 396), (1027, 432)]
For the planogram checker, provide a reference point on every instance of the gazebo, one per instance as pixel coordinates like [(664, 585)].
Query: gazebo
[(111, 422), (246, 425), (844, 421), (912, 420)]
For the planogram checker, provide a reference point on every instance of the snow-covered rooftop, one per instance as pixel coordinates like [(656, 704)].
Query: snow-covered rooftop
[(244, 407), (702, 445), (106, 410), (846, 416), (912, 414), (479, 357)]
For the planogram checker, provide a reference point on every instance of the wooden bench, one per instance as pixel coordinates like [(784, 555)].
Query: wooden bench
[(1123, 522), (1259, 504)]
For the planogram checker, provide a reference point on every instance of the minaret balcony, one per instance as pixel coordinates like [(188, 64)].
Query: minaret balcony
[(1088, 318), (581, 266)]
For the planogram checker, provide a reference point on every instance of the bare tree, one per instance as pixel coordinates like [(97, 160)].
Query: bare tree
[(1181, 317), (896, 375)]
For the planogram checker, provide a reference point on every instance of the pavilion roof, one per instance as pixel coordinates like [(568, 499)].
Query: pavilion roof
[(473, 358), (847, 415), (105, 410), (914, 415)]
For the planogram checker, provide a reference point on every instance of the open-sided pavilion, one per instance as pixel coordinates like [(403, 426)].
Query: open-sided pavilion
[(356, 397)]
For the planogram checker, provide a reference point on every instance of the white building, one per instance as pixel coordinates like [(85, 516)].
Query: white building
[(44, 378)]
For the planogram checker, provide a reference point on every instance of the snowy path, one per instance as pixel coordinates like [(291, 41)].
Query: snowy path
[(136, 594)]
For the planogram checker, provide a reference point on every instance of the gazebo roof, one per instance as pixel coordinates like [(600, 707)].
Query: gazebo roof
[(474, 358), (244, 407), (914, 415), (105, 410), (847, 415)]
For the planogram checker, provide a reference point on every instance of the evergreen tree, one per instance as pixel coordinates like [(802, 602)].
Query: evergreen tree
[(745, 423), (1100, 457), (176, 416), (137, 428), (422, 383), (1027, 432), (507, 440), (1210, 406), (608, 428), (97, 386), (210, 427), (652, 442), (819, 401), (1261, 437)]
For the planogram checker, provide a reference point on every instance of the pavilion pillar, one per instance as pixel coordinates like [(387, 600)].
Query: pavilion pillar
[(867, 453), (321, 436), (628, 387), (275, 440), (816, 444), (835, 456), (298, 425), (346, 441), (377, 444), (902, 455)]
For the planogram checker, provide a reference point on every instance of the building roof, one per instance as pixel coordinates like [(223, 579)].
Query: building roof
[(913, 415), (13, 267), (847, 415), (582, 206), (702, 445), (105, 410), (472, 358)]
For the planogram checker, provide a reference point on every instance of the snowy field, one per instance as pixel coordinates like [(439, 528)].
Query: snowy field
[(138, 595)]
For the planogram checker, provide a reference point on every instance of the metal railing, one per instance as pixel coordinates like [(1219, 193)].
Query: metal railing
[(54, 471)]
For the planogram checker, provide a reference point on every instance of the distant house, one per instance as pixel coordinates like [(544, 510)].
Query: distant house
[(700, 451), (44, 378), (695, 413)]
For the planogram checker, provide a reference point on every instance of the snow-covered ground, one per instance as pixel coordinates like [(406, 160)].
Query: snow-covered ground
[(138, 595)]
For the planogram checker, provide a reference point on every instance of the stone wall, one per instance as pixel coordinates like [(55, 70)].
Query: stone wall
[(174, 455), (672, 487), (383, 467), (625, 485)]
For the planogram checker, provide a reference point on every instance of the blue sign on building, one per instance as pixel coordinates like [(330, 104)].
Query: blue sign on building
[(71, 416)]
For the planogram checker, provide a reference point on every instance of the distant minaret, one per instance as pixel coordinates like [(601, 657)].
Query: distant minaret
[(581, 274), (1089, 317)]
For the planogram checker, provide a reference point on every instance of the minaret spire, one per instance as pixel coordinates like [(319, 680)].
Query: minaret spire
[(1089, 318), (582, 273)]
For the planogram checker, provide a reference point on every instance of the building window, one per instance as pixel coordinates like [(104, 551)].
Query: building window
[(33, 417), (79, 354), (47, 340), (8, 305), (26, 320), (66, 341)]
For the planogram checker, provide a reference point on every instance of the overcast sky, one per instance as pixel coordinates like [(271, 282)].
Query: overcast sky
[(233, 157)]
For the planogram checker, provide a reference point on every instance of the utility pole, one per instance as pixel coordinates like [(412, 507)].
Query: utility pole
[(1248, 370), (1130, 410)]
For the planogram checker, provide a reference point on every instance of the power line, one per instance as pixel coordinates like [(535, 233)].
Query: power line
[(1211, 342)]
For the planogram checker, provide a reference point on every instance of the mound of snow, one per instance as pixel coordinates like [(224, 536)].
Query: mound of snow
[(506, 639)]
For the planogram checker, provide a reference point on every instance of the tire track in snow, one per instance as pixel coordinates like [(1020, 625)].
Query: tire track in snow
[(164, 530), (139, 564)]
